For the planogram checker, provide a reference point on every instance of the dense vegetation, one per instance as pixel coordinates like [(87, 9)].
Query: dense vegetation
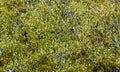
[(60, 35)]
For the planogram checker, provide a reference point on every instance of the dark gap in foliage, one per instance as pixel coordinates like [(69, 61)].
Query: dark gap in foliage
[(1, 64), (105, 67), (25, 35)]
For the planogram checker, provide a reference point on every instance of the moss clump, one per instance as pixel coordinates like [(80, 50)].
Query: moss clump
[(60, 35)]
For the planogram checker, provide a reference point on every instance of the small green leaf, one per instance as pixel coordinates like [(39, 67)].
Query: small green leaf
[(117, 44)]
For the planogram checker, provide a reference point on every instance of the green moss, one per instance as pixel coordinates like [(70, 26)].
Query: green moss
[(83, 34)]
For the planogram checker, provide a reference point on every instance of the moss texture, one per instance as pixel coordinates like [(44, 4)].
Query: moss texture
[(60, 35)]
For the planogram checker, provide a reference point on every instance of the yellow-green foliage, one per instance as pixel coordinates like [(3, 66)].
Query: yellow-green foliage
[(60, 35)]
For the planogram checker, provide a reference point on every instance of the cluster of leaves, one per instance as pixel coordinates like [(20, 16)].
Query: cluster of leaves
[(59, 35)]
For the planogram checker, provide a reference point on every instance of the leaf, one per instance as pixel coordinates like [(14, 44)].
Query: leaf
[(11, 70), (63, 59), (117, 44), (1, 51)]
